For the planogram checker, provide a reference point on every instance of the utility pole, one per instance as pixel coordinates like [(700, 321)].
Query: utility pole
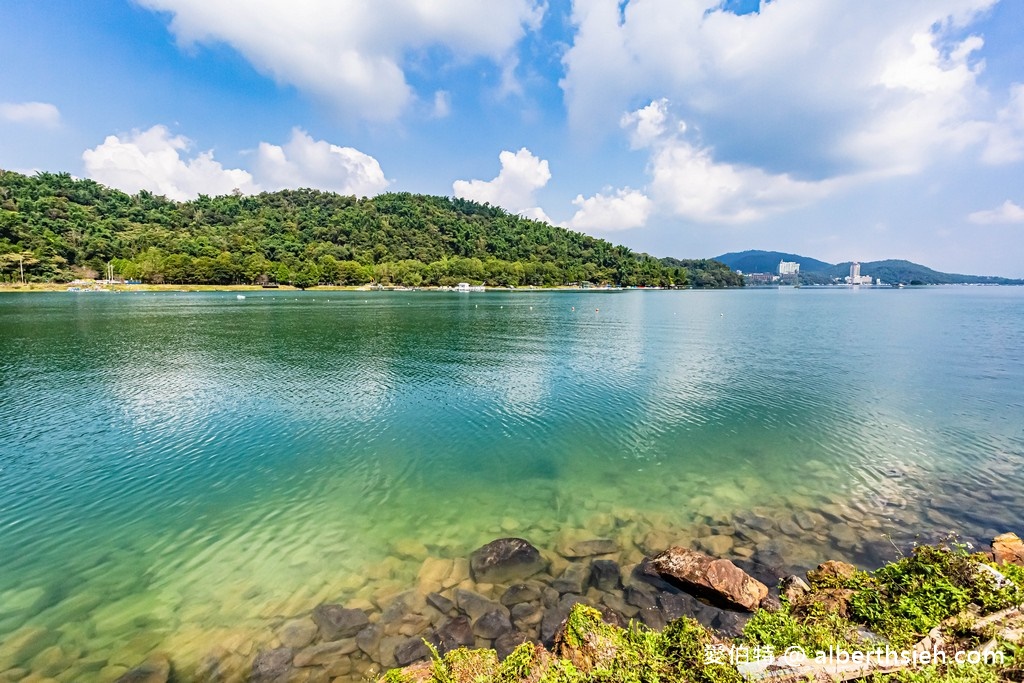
[(21, 267)]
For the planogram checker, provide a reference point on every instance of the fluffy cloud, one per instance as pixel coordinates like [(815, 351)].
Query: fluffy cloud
[(352, 53), (622, 210), (158, 161), (688, 182), (38, 113), (1007, 212), (304, 162), (521, 175), (153, 160), (813, 89), (646, 125)]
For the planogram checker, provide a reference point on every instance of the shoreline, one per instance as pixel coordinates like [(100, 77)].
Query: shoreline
[(509, 597), (63, 287)]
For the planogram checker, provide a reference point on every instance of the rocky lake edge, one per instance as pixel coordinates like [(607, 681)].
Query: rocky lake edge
[(510, 612), (508, 602)]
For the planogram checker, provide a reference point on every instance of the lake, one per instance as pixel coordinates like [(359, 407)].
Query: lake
[(184, 472)]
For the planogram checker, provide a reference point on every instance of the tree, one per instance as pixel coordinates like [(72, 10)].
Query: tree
[(307, 276)]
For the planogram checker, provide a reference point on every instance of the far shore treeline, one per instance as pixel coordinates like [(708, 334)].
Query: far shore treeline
[(54, 228)]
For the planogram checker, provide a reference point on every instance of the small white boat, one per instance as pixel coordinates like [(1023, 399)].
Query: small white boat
[(240, 297)]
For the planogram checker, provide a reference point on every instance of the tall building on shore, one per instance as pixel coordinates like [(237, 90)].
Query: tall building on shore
[(788, 267), (855, 272)]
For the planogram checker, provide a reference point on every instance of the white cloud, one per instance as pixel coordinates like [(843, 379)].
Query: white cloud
[(38, 113), (159, 161), (688, 182), (647, 124), (353, 53), (814, 89), (521, 175), (304, 162), (154, 160), (536, 213), (1006, 142), (622, 210), (1007, 212)]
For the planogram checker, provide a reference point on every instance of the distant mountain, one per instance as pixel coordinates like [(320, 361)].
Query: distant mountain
[(819, 272), (896, 270), (756, 261)]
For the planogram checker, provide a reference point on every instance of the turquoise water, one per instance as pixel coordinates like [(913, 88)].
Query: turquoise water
[(184, 471)]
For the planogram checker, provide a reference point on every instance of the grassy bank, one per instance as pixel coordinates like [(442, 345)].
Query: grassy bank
[(939, 599)]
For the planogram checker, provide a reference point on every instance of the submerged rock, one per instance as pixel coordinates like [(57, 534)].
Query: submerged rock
[(605, 575), (589, 548), (335, 621), (474, 604), (716, 545), (492, 624), (271, 665), (368, 640), (720, 581), (526, 614), (520, 592), (156, 669), (453, 634), (410, 651), (440, 603), (573, 580), (324, 653), (505, 560), (298, 633)]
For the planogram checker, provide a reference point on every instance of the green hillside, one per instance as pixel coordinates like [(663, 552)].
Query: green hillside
[(757, 261), (892, 271), (57, 228)]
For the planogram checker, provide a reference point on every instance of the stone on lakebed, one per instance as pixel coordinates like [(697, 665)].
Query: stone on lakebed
[(156, 669), (505, 560), (335, 621)]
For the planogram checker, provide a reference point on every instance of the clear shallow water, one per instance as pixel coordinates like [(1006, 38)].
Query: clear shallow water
[(184, 471)]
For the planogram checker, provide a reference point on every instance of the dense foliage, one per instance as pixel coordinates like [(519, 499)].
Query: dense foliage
[(56, 228)]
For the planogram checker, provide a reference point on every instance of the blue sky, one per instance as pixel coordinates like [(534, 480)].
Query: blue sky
[(838, 129)]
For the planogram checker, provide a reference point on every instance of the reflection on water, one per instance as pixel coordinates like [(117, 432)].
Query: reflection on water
[(187, 470)]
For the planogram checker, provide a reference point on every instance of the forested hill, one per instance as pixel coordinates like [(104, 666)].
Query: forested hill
[(58, 228), (813, 271)]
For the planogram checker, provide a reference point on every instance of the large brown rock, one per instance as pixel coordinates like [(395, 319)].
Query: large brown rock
[(505, 560), (720, 581), (1008, 549)]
